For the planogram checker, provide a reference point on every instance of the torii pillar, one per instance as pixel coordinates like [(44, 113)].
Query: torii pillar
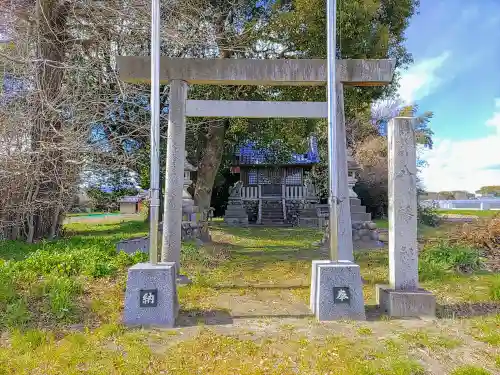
[(301, 72)]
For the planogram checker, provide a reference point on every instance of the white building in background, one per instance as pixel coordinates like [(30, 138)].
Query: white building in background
[(483, 203)]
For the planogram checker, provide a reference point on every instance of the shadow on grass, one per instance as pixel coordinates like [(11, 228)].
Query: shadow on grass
[(459, 310), (267, 233), (270, 316), (192, 318), (251, 286), (282, 254), (125, 227), (16, 250), (467, 309)]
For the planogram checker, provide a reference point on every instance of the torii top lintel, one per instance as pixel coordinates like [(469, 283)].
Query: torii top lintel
[(292, 72)]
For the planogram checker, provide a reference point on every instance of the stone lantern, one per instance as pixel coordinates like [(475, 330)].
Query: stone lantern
[(188, 207), (352, 168)]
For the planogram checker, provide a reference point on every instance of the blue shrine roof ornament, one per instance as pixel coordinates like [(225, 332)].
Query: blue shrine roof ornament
[(251, 154)]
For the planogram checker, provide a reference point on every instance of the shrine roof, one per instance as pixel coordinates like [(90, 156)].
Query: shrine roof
[(251, 154)]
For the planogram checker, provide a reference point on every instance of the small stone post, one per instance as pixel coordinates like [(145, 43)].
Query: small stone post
[(403, 297), (174, 178)]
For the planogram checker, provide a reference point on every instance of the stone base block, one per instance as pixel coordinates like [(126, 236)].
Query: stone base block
[(236, 221), (134, 245), (406, 303), (151, 295), (190, 231), (314, 280), (309, 222), (183, 280), (337, 291)]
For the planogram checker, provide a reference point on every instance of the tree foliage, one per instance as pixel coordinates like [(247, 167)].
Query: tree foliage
[(371, 153), (77, 115), (63, 53), (493, 190)]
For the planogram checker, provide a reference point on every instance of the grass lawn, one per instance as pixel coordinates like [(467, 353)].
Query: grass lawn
[(382, 223), (479, 213), (96, 213), (245, 313)]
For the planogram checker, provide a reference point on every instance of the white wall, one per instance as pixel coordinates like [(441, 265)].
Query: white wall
[(468, 204)]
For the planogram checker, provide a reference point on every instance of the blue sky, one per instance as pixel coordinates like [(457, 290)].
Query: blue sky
[(456, 74)]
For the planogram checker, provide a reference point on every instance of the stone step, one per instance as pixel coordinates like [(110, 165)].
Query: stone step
[(355, 201), (274, 217), (359, 216), (235, 209), (358, 209), (235, 213), (235, 217), (235, 204), (282, 224)]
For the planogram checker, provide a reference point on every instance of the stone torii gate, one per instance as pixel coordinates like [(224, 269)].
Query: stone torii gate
[(181, 72), (302, 72)]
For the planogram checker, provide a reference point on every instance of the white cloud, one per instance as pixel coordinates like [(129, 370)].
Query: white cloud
[(453, 165), (421, 79), (462, 165)]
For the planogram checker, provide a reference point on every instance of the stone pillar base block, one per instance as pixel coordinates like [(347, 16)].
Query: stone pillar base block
[(314, 280), (133, 245), (337, 291), (406, 303), (183, 280), (236, 221), (151, 295)]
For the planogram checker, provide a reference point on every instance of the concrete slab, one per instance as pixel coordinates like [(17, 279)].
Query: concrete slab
[(255, 109), (339, 291), (406, 303), (134, 245), (151, 295), (292, 72)]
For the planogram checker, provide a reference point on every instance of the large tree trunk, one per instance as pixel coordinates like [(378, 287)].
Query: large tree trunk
[(209, 163), (211, 157), (46, 136)]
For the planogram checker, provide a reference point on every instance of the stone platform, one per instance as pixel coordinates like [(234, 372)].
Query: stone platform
[(236, 214), (406, 303)]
